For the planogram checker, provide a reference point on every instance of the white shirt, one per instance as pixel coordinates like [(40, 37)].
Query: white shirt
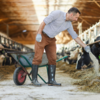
[(56, 23)]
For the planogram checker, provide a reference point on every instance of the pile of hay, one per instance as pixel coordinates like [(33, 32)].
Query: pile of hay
[(85, 78), (60, 64), (67, 68), (5, 71)]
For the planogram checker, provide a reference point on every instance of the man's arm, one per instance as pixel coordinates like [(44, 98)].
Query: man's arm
[(80, 42), (52, 16), (39, 32), (41, 27), (75, 36), (77, 39), (86, 48)]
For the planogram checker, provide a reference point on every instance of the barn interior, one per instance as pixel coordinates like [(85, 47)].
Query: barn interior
[(20, 19), (19, 23)]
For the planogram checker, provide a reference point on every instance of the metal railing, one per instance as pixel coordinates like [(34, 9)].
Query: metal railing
[(89, 34), (11, 44)]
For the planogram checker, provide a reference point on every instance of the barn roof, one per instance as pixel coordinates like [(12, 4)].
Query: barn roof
[(20, 19)]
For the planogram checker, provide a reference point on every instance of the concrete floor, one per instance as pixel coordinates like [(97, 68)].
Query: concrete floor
[(9, 91)]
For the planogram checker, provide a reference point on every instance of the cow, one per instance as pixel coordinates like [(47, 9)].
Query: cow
[(72, 57), (2, 57), (85, 60), (95, 49)]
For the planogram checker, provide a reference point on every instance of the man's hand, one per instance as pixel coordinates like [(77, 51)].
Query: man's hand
[(38, 38), (87, 49)]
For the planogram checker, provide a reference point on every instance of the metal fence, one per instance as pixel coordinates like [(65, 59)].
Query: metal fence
[(8, 43)]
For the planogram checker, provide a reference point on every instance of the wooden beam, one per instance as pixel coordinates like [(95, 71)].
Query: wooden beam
[(32, 8), (20, 32), (25, 38), (29, 1), (27, 13), (25, 42), (22, 37), (84, 20), (74, 24), (96, 3), (36, 3), (39, 4), (25, 23), (3, 19), (90, 17), (88, 1), (15, 33)]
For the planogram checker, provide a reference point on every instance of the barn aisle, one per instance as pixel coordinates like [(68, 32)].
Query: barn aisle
[(9, 91)]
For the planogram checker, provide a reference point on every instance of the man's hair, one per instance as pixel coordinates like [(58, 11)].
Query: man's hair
[(74, 10)]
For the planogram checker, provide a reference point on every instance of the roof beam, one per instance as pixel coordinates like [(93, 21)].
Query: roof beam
[(37, 4), (30, 1), (88, 1), (20, 32), (96, 3), (90, 17), (3, 19), (84, 21)]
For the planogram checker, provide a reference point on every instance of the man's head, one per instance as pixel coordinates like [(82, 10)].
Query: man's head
[(73, 14)]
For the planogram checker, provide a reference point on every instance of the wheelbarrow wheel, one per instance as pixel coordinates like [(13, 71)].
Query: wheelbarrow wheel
[(17, 76)]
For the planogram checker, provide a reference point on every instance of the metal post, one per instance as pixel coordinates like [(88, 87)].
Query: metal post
[(4, 40), (7, 29), (85, 36), (0, 39), (89, 36), (95, 31)]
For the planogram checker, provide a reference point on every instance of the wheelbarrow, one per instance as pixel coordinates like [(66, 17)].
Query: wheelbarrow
[(24, 60)]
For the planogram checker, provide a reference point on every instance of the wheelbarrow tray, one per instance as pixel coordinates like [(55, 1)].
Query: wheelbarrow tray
[(25, 59)]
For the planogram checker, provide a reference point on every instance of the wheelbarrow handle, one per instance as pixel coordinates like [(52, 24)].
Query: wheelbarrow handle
[(61, 58)]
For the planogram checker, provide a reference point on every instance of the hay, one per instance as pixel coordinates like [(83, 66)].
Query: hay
[(82, 73), (62, 67), (70, 69), (86, 78), (60, 63), (95, 63), (92, 85), (5, 71)]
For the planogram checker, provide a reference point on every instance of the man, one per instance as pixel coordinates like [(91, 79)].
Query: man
[(52, 25)]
